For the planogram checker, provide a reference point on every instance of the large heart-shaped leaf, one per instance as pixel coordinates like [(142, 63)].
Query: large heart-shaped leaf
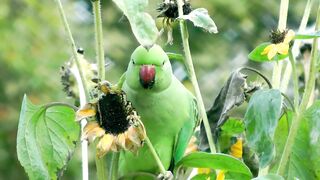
[(46, 139), (261, 120), (214, 161), (142, 25)]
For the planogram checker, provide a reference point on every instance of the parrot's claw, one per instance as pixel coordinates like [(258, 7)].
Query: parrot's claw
[(167, 176)]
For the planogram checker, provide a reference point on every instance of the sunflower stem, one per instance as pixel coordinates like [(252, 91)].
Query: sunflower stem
[(155, 155), (296, 44), (297, 119), (193, 78), (295, 80), (83, 88), (101, 166), (99, 38), (114, 166)]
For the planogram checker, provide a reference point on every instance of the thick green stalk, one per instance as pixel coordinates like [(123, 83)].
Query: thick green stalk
[(304, 102), (193, 78), (83, 89), (155, 155), (100, 162), (277, 68), (99, 38), (102, 169), (114, 166), (295, 47), (295, 80)]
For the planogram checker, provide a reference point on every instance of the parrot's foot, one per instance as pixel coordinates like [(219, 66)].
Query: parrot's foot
[(167, 176)]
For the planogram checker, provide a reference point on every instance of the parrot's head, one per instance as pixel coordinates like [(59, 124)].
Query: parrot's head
[(149, 69)]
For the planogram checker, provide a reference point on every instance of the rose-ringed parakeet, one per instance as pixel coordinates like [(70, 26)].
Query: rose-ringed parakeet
[(167, 109)]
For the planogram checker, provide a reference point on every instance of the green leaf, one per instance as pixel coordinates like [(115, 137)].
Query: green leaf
[(261, 120), (255, 55), (233, 126), (175, 57), (214, 161), (46, 139), (269, 177), (200, 18), (204, 176), (307, 36), (304, 160), (142, 25)]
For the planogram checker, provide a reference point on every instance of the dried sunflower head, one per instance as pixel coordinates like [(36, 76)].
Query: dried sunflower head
[(168, 10), (115, 123), (69, 75)]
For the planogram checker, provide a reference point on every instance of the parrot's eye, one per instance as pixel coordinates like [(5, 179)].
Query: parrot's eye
[(163, 63), (133, 61)]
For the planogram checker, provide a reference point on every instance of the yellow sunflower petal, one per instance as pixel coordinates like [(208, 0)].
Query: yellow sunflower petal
[(121, 140), (273, 51), (203, 170), (236, 149), (289, 36), (283, 48), (221, 175), (267, 49), (86, 111), (105, 144), (92, 130), (133, 136)]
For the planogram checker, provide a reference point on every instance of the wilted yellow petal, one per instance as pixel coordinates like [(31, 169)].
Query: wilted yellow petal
[(283, 48), (267, 49), (86, 111), (92, 130), (121, 141), (220, 175), (104, 145), (273, 51), (236, 149), (289, 36), (133, 136)]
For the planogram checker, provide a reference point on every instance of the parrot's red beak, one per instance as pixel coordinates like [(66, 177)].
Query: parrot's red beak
[(147, 76)]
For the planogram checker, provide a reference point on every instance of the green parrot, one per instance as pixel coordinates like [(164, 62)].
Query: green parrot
[(167, 109)]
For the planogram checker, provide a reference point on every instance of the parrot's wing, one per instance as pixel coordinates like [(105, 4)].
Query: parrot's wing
[(184, 136)]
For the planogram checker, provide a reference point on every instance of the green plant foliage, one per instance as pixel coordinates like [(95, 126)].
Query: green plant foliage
[(307, 36), (269, 177), (233, 126), (214, 161), (261, 120), (142, 24), (200, 18), (46, 139), (204, 176), (255, 55), (175, 57), (305, 157)]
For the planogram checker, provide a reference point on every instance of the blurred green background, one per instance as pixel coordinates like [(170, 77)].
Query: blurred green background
[(33, 47)]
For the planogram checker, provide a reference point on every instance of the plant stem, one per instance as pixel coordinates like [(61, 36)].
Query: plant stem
[(74, 48), (193, 78), (100, 162), (99, 38), (304, 102), (101, 168), (155, 155), (277, 68), (83, 90), (114, 166), (295, 80), (296, 44)]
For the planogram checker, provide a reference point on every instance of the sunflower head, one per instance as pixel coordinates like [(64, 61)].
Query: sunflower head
[(115, 122), (168, 9)]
